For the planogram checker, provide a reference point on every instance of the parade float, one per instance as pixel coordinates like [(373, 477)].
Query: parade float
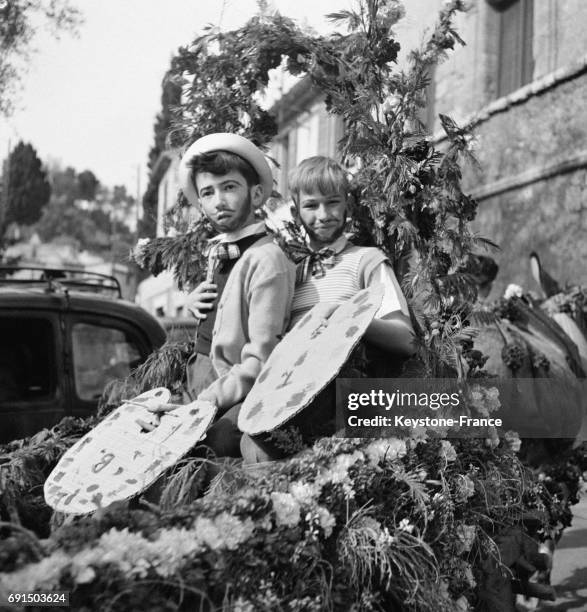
[(419, 523)]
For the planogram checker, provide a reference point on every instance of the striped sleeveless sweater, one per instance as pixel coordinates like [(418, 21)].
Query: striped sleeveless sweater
[(351, 272)]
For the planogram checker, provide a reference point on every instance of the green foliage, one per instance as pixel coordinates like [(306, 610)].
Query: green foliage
[(408, 194), (164, 368), (184, 254), (87, 184), (27, 189), (170, 98), (148, 222), (223, 72), (24, 466), (17, 31), (85, 213)]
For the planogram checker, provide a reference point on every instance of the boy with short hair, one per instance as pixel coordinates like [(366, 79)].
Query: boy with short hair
[(333, 273), (337, 269)]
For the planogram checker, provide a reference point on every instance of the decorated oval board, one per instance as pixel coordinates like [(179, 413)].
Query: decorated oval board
[(306, 360), (118, 459)]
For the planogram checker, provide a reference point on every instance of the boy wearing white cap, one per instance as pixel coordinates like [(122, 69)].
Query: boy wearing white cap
[(249, 301)]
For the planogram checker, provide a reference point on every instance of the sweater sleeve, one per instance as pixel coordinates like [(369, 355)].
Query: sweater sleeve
[(269, 296)]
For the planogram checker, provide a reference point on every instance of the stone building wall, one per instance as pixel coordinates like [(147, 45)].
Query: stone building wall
[(532, 183), (532, 144)]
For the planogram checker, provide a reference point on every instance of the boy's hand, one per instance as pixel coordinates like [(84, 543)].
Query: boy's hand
[(158, 410), (202, 299)]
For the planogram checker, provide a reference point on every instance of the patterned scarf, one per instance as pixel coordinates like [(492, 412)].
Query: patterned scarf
[(227, 250), (315, 264)]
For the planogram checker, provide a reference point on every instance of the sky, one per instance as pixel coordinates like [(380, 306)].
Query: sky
[(90, 101)]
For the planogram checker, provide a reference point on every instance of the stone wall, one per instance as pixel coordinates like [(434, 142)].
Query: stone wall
[(549, 217), (532, 145)]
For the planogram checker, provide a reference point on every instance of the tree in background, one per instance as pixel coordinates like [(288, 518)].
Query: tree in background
[(17, 32), (92, 216), (27, 189), (170, 98), (87, 185)]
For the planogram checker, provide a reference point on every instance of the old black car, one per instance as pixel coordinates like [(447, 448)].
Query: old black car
[(63, 335)]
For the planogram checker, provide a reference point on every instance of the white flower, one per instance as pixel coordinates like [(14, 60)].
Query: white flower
[(85, 576), (326, 520), (208, 533), (242, 605), (380, 450), (513, 291), (485, 400), (304, 493), (244, 118), (512, 439), (390, 104), (405, 525), (233, 530), (42, 575), (447, 451), (465, 486), (287, 509), (138, 253), (339, 471), (419, 434), (385, 538), (466, 536), (81, 567), (493, 441)]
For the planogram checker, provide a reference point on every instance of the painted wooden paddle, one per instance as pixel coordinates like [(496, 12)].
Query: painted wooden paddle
[(118, 459), (306, 360)]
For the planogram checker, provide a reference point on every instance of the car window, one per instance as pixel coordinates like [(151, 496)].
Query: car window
[(100, 354), (27, 359)]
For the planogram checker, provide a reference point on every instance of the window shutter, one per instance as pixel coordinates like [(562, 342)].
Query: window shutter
[(516, 61)]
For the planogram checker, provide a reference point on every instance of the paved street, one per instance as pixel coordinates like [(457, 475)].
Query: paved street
[(569, 575)]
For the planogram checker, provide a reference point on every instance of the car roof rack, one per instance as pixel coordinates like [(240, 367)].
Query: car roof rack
[(60, 278)]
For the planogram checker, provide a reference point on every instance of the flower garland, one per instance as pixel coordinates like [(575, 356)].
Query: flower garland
[(379, 521)]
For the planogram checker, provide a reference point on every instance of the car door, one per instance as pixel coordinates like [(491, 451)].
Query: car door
[(32, 392)]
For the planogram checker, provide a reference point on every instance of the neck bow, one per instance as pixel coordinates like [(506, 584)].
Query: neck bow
[(227, 250), (315, 264)]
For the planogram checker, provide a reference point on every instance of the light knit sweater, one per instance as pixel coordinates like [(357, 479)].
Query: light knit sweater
[(253, 314)]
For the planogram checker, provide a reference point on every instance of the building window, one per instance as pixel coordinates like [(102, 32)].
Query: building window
[(515, 55)]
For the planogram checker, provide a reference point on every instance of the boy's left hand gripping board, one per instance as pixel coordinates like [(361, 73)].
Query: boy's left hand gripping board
[(118, 459)]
